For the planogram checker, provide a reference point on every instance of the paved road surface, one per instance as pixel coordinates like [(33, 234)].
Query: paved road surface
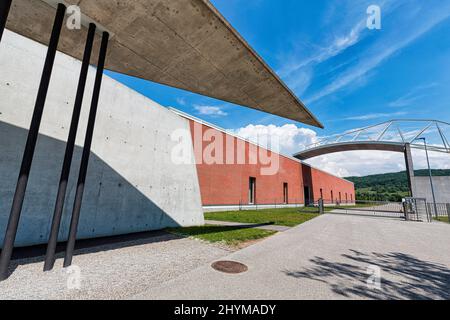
[(327, 258)]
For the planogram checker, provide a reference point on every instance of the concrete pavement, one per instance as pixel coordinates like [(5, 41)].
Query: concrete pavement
[(329, 258)]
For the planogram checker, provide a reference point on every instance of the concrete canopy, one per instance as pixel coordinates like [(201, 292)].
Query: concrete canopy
[(185, 44)]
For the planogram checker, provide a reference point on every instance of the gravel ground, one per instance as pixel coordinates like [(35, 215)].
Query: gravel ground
[(111, 271)]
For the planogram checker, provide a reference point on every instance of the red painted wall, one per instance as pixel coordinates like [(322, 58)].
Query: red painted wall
[(228, 184), (328, 187)]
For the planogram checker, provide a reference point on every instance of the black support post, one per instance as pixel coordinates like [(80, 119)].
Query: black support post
[(33, 133), (86, 152), (5, 5), (59, 205)]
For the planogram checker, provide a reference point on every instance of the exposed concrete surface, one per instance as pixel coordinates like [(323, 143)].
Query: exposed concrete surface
[(410, 170), (247, 225), (132, 183), (186, 44), (441, 188), (111, 271), (327, 258)]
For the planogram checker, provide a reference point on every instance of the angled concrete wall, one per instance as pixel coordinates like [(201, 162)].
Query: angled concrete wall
[(132, 184), (441, 188)]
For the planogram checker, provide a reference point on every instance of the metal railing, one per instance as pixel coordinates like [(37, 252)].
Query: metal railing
[(416, 210), (412, 209), (443, 210), (257, 205), (373, 208), (395, 131)]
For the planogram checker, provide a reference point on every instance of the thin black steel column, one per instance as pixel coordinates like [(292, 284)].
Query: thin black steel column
[(33, 133), (86, 152), (4, 11), (59, 206)]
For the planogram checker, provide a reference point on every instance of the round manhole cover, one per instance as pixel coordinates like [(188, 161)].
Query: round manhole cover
[(231, 267)]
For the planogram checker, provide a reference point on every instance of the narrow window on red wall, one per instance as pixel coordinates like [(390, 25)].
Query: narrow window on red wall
[(321, 194), (252, 191), (332, 197), (346, 197), (285, 193)]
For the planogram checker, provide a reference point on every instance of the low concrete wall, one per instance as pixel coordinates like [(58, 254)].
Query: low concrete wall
[(441, 188), (132, 184)]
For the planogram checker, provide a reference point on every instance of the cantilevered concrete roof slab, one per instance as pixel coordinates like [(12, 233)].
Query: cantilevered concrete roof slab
[(185, 44)]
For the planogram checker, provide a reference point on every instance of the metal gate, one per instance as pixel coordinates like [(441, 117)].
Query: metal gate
[(411, 209), (417, 210), (365, 208), (371, 208)]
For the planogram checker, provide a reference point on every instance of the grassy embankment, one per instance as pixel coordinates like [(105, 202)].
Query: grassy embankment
[(237, 235)]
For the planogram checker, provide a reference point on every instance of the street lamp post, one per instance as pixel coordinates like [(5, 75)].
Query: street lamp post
[(431, 176)]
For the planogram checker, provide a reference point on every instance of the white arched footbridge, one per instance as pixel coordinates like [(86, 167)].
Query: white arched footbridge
[(393, 135)]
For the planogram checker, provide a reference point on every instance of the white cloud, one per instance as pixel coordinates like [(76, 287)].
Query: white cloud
[(362, 163), (359, 163), (372, 116), (298, 72), (413, 96), (300, 81), (213, 111), (383, 49), (344, 26), (181, 101), (291, 138), (321, 54)]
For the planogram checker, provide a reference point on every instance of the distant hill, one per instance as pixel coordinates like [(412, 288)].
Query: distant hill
[(388, 186)]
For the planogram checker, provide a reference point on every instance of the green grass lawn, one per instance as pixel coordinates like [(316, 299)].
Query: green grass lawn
[(365, 205), (442, 219), (227, 235), (289, 217)]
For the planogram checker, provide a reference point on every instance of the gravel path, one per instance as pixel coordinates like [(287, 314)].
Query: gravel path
[(112, 271)]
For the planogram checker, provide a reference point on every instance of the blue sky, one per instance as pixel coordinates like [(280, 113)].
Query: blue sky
[(347, 75)]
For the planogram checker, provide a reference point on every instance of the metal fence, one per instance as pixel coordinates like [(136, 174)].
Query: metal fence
[(419, 211), (373, 208), (275, 204), (416, 209), (442, 210), (412, 209), (257, 205)]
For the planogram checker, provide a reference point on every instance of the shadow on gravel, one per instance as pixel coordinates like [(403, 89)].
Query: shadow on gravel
[(36, 254), (402, 276)]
